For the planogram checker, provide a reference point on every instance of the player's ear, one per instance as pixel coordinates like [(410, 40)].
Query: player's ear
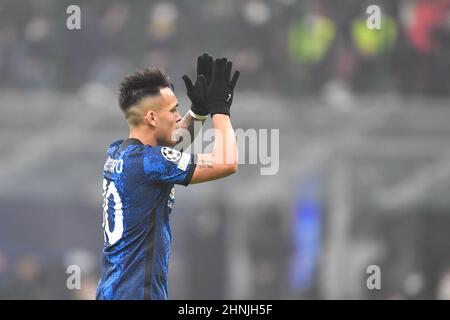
[(151, 118)]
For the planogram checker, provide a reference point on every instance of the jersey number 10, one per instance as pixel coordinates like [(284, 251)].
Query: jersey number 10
[(112, 236)]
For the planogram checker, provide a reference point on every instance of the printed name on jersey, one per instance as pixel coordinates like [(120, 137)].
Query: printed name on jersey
[(171, 154), (112, 164)]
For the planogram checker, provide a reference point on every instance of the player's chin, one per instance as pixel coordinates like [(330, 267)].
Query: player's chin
[(172, 142), (174, 139)]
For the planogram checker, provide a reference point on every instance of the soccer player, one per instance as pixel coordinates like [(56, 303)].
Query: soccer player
[(140, 173)]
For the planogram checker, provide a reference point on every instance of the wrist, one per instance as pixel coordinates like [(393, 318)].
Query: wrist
[(197, 116), (220, 116), (219, 109)]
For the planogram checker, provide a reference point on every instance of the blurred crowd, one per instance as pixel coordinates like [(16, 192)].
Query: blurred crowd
[(287, 46), (30, 276)]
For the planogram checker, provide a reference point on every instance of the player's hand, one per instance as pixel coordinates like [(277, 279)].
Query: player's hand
[(219, 95), (197, 92)]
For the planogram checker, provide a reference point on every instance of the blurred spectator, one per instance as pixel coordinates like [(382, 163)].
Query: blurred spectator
[(310, 41), (373, 49), (268, 247), (311, 37), (443, 287), (428, 34), (3, 275), (25, 279)]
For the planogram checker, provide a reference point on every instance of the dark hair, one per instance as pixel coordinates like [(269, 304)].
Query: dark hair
[(137, 85)]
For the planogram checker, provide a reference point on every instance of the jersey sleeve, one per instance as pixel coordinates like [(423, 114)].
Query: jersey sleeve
[(167, 165)]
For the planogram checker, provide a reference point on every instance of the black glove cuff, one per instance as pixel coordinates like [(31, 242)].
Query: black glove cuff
[(221, 108), (199, 110)]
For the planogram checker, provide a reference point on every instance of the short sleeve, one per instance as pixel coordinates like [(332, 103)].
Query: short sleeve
[(167, 165)]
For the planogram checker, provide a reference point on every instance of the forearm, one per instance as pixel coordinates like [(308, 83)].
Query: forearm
[(225, 150), (223, 160), (189, 128)]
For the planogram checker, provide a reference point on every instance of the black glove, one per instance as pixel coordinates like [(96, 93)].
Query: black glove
[(220, 91), (197, 92)]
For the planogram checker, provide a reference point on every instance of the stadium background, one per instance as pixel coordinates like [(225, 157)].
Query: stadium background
[(364, 170)]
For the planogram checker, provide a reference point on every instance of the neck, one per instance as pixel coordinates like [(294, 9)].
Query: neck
[(145, 135)]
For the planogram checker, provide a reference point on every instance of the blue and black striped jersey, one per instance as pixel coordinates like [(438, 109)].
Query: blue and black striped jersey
[(138, 193)]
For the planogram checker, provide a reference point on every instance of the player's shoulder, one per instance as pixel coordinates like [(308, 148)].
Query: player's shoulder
[(162, 153), (166, 159), (125, 148), (113, 147)]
